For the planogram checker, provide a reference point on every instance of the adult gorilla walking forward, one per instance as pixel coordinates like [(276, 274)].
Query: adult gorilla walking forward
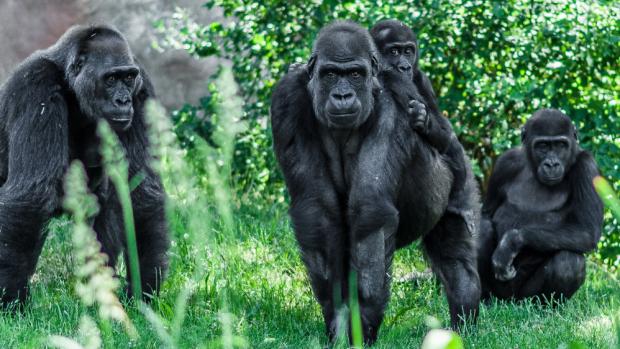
[(362, 183), (49, 110)]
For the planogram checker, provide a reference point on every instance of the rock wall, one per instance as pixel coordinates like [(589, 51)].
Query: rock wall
[(29, 25)]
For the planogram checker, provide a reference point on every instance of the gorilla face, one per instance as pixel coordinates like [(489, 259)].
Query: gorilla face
[(397, 45), (342, 70), (551, 143), (107, 82), (552, 155)]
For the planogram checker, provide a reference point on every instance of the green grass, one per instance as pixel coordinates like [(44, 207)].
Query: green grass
[(271, 304)]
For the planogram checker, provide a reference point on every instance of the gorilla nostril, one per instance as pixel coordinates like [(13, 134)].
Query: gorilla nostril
[(404, 68), (122, 101), (343, 97), (552, 165)]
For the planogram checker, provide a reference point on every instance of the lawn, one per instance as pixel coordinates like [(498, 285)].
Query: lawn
[(257, 275)]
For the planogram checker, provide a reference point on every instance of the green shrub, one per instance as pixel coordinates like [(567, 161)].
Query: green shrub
[(493, 63)]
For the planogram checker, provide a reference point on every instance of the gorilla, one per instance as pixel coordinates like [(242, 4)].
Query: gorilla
[(49, 110), (398, 48), (541, 214), (362, 183)]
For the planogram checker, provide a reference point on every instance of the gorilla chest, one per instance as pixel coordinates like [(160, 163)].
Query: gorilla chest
[(526, 194), (529, 201), (85, 148), (341, 150)]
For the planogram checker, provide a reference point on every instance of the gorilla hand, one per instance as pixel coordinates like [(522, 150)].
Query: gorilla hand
[(417, 110), (505, 253)]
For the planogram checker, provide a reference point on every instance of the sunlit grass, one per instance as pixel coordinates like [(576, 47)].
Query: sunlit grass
[(236, 280)]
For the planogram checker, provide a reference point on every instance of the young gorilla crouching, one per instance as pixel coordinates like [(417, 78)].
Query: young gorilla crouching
[(541, 214), (49, 110), (362, 183)]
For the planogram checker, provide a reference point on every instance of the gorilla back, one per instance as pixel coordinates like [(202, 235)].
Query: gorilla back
[(49, 110), (362, 183)]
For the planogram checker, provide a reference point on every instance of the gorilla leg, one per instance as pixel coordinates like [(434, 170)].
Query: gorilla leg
[(486, 243), (108, 224), (374, 228), (560, 276), (22, 218), (151, 234), (37, 160), (451, 251), (463, 187), (319, 232)]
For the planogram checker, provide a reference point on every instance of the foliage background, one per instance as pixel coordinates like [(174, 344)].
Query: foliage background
[(492, 63)]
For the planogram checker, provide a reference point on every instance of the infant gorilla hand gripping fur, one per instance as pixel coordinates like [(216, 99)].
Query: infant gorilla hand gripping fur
[(49, 110), (363, 184), (541, 214)]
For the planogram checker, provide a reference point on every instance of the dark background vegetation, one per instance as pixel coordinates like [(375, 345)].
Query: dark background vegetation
[(492, 63)]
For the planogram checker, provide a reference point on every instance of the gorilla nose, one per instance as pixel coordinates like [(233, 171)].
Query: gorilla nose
[(343, 99), (404, 68), (551, 165), (122, 101)]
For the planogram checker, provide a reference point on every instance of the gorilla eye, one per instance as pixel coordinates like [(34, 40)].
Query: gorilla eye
[(355, 74), (111, 79), (394, 52), (408, 51), (330, 75), (130, 77), (543, 146)]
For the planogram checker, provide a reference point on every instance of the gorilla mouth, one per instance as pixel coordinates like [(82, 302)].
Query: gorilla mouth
[(120, 119), (552, 180), (342, 119), (342, 115), (120, 123)]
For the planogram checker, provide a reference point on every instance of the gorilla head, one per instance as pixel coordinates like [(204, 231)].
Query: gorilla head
[(550, 140), (397, 45), (342, 70), (105, 78)]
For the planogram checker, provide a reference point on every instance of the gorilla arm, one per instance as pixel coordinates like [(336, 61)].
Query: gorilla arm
[(419, 100), (505, 170), (34, 115), (439, 131), (315, 211)]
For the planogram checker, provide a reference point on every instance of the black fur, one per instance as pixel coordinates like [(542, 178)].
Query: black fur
[(398, 48), (541, 214), (359, 190), (49, 109)]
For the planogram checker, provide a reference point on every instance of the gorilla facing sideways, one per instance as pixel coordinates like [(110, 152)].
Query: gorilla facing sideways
[(541, 214), (49, 110), (362, 183)]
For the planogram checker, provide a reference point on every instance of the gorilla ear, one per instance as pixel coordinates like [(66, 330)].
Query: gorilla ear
[(374, 63), (311, 63), (575, 133), (77, 65)]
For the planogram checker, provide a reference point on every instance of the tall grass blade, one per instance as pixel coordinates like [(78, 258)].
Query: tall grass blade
[(357, 335), (607, 194), (117, 169)]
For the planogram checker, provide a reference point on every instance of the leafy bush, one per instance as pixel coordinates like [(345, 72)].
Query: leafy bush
[(492, 64)]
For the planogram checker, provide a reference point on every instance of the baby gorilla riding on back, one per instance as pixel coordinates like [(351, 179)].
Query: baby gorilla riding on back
[(363, 183)]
